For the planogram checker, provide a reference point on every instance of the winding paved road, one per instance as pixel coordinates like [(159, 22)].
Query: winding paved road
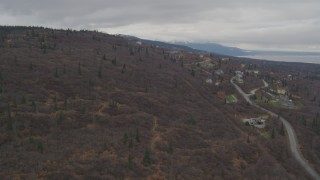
[(290, 131)]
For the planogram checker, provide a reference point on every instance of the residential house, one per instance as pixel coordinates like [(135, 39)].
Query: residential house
[(225, 59), (219, 72), (239, 76), (281, 90), (256, 122), (253, 72), (206, 64), (209, 81)]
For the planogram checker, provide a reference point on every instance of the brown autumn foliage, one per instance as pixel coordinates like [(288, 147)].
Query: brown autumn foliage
[(68, 110)]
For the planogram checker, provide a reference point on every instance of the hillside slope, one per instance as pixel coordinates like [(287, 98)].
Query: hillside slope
[(92, 105)]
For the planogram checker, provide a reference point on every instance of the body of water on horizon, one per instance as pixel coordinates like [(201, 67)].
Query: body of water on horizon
[(315, 59)]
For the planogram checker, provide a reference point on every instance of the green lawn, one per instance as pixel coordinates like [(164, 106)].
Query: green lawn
[(272, 103), (264, 116), (278, 105), (231, 99), (275, 104), (264, 134)]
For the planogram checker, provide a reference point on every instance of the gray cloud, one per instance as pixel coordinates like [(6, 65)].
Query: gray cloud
[(272, 24)]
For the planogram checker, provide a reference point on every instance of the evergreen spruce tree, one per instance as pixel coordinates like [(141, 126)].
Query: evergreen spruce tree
[(61, 117), (282, 131), (130, 143), (34, 106), (15, 104), (147, 158), (10, 125), (65, 102), (64, 69), (100, 72), (314, 122), (44, 50), (131, 51), (137, 135), (130, 162), (192, 72), (123, 68), (1, 88), (33, 33), (273, 134), (31, 66), (9, 122), (40, 146), (23, 100), (125, 138), (79, 69), (114, 61), (55, 100), (304, 121), (170, 149), (56, 74)]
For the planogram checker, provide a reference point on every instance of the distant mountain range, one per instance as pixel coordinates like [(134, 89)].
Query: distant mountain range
[(218, 49), (234, 51)]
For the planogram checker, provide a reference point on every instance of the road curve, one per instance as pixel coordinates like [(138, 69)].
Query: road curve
[(290, 131)]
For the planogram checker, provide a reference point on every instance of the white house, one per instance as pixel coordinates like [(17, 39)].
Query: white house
[(239, 76), (255, 72), (219, 72), (256, 122), (206, 64), (209, 81), (239, 73), (281, 91)]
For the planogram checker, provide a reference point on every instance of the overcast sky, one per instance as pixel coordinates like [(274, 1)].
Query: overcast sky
[(248, 24)]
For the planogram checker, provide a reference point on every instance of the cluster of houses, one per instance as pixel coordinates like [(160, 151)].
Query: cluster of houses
[(282, 95)]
